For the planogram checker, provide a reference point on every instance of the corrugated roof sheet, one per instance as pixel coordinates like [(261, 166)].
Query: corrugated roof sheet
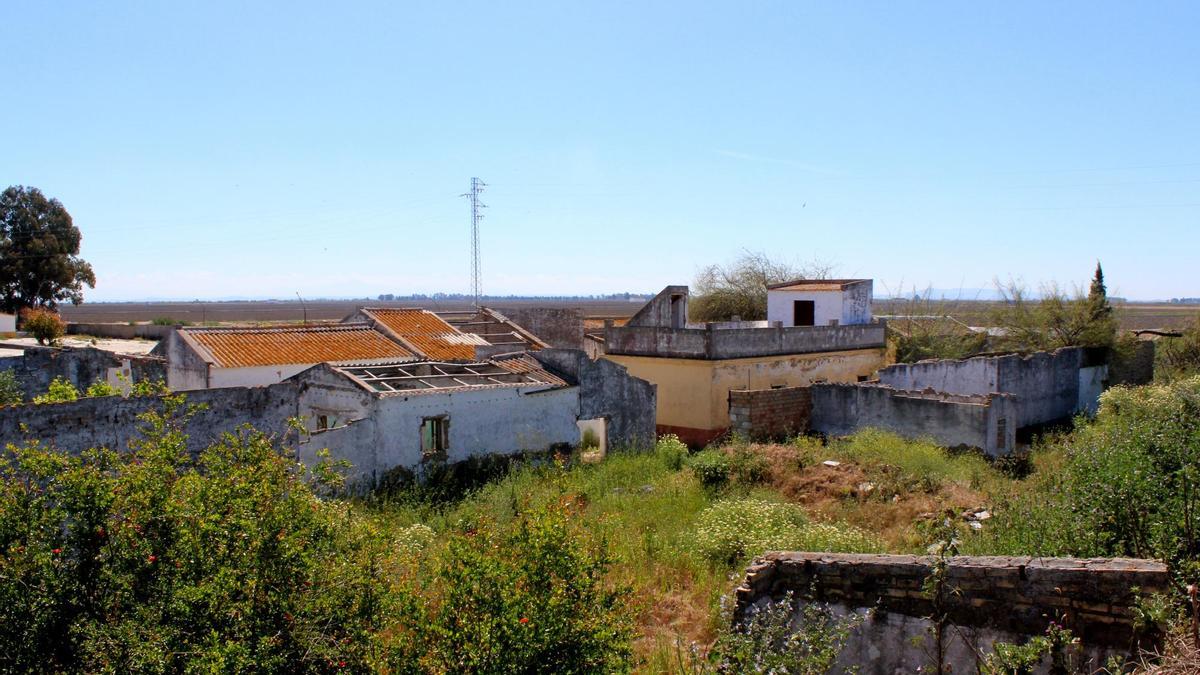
[(815, 284), (427, 333), (240, 347)]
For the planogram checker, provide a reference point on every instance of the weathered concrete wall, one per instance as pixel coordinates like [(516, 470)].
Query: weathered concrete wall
[(607, 390), (1046, 384), (985, 422), (122, 331), (111, 421), (735, 343), (693, 394), (560, 328), (82, 367), (986, 600), (668, 309), (762, 414)]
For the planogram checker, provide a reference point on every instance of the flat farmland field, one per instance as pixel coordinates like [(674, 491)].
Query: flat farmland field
[(1132, 315), (282, 311)]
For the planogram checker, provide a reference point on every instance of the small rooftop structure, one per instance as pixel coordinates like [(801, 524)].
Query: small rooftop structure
[(413, 378), (820, 302), (423, 332)]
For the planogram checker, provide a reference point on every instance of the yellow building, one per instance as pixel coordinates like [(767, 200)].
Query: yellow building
[(696, 366)]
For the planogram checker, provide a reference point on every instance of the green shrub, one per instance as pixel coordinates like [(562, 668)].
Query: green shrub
[(528, 598), (44, 324), (711, 467), (672, 451), (149, 388), (101, 388), (748, 466), (148, 561), (60, 391), (10, 389), (732, 530)]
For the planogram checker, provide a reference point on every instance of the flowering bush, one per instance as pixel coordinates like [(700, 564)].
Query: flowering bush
[(734, 529)]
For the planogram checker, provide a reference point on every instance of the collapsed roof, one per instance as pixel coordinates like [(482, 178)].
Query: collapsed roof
[(434, 376)]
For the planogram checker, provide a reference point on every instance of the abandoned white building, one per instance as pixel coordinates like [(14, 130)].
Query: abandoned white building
[(697, 366)]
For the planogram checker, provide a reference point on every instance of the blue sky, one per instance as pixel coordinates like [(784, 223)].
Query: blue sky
[(211, 149)]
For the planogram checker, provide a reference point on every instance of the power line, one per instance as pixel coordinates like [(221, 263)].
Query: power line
[(476, 188)]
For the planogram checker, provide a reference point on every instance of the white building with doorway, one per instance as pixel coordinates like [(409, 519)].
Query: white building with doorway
[(820, 302)]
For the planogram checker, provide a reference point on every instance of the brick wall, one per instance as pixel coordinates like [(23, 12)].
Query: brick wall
[(988, 599), (770, 413)]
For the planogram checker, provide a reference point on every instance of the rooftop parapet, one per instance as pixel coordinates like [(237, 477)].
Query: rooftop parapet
[(713, 342)]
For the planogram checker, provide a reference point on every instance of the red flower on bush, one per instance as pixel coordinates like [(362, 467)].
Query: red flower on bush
[(151, 558), (56, 551), (524, 619)]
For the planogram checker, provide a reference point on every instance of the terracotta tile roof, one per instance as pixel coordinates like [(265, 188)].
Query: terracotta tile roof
[(427, 333), (239, 347), (815, 284)]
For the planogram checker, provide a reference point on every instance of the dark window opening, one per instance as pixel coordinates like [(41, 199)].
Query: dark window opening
[(804, 312), (322, 422), (1001, 433), (862, 378), (435, 436)]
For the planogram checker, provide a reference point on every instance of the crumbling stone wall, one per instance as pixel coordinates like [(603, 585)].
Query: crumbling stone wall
[(111, 421), (985, 600), (761, 414), (80, 366), (986, 422)]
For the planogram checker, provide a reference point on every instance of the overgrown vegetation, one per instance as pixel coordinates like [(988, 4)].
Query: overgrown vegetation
[(151, 560)]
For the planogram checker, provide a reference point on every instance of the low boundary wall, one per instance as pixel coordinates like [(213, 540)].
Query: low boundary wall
[(985, 599), (984, 422), (761, 414)]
